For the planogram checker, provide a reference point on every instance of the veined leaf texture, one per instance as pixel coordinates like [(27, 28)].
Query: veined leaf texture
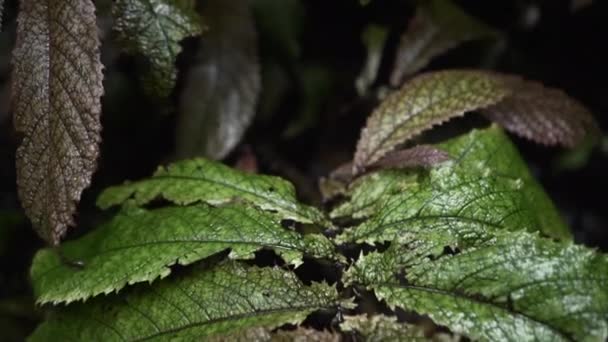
[(57, 86), (523, 107)]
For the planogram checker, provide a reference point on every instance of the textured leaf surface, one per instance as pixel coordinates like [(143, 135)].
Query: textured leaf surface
[(486, 186), (139, 245), (154, 28), (265, 335), (220, 300), (57, 86), (425, 101), (385, 328), (221, 90), (545, 115), (437, 27), (200, 180), (504, 286)]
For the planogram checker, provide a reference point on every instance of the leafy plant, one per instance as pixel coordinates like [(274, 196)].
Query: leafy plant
[(445, 238)]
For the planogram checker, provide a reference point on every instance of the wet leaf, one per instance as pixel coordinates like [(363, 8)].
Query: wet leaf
[(486, 187), (544, 115), (423, 102), (57, 86), (221, 90), (205, 302), (154, 29), (139, 245), (200, 180), (437, 27), (501, 286)]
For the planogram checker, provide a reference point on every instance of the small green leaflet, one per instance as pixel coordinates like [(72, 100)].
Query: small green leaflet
[(154, 28), (204, 302), (486, 186), (201, 180), (511, 286), (139, 245)]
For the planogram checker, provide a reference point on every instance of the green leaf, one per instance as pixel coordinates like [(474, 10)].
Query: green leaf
[(221, 300), (423, 102), (385, 328), (221, 89), (154, 28), (56, 94), (486, 186), (139, 245), (201, 180), (437, 27), (503, 286)]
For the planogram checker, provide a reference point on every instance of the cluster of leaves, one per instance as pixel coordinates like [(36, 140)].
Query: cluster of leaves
[(475, 244), (457, 231)]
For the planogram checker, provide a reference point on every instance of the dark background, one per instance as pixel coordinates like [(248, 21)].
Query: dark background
[(544, 40)]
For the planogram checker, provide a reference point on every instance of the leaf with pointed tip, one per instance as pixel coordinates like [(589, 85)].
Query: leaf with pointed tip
[(486, 187), (437, 27), (425, 101), (203, 303), (502, 286), (385, 328), (221, 90), (544, 115), (57, 86), (139, 245), (201, 180), (154, 28)]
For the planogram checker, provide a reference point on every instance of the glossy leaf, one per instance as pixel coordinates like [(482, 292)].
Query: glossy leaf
[(205, 302), (221, 90), (423, 102), (154, 29), (57, 86), (200, 180), (502, 286), (544, 115), (140, 245), (437, 27), (487, 186)]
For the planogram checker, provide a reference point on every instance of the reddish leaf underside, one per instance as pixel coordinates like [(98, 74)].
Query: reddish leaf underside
[(526, 108), (427, 100), (545, 115), (57, 86)]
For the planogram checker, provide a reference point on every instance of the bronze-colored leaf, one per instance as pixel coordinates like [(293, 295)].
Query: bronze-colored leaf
[(425, 101), (221, 90), (418, 156), (544, 115), (57, 86), (437, 27)]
